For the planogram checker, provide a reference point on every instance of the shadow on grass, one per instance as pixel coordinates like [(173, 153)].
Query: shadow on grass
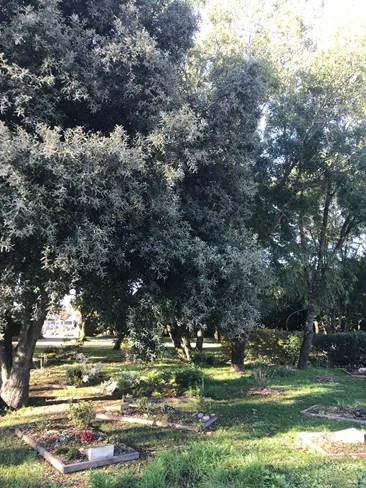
[(147, 439), (43, 401), (14, 456), (269, 416)]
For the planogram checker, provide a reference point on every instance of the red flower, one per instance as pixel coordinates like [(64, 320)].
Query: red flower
[(87, 436)]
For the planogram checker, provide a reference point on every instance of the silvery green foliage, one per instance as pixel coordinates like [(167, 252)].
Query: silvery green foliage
[(219, 281), (96, 64), (77, 204)]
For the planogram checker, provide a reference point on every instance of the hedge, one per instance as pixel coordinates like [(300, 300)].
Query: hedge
[(274, 346), (342, 349)]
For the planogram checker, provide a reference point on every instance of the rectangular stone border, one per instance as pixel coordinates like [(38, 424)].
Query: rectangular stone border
[(157, 423), (314, 447), (359, 376), (72, 468), (307, 412)]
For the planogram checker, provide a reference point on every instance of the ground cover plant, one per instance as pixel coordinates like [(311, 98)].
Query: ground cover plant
[(253, 444)]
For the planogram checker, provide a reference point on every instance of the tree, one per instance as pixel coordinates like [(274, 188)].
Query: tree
[(313, 174), (217, 199), (78, 202)]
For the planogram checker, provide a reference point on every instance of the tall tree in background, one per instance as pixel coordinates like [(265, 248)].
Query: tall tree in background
[(314, 174)]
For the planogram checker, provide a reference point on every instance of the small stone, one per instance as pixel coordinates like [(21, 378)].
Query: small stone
[(205, 418), (200, 415)]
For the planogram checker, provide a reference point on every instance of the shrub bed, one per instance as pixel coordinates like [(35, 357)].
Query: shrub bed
[(155, 382)]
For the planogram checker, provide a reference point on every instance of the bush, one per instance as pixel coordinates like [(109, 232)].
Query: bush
[(187, 379), (343, 349), (81, 414), (83, 374), (156, 381), (275, 346), (262, 375)]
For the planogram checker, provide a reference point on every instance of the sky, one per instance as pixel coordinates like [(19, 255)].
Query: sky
[(348, 16), (329, 16)]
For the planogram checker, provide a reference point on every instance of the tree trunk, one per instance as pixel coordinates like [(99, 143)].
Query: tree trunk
[(237, 354), (308, 334), (186, 346), (217, 336), (118, 341), (175, 337), (199, 341), (82, 335), (14, 389)]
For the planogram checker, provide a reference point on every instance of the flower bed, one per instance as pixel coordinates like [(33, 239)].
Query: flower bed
[(337, 412), (160, 414), (66, 448)]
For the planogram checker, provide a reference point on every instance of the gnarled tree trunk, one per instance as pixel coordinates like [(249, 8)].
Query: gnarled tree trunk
[(180, 341), (15, 371), (217, 336)]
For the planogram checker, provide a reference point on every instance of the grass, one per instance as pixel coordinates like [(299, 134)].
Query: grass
[(252, 446)]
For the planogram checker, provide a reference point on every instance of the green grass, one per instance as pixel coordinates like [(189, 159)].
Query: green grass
[(252, 446)]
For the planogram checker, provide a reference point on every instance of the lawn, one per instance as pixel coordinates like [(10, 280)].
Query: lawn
[(253, 444)]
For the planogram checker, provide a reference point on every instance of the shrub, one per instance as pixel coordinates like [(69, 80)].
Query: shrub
[(187, 379), (83, 374), (156, 381), (262, 375), (343, 349), (81, 414), (127, 382), (69, 453), (275, 346), (74, 375)]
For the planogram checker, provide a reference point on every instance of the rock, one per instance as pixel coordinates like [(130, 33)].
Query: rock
[(111, 387), (360, 412), (205, 418)]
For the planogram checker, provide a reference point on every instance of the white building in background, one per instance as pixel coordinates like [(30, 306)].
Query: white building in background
[(60, 329), (66, 324)]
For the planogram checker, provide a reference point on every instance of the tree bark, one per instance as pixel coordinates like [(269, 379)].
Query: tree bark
[(186, 346), (237, 354), (217, 336), (175, 337), (308, 334), (118, 341), (14, 389)]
